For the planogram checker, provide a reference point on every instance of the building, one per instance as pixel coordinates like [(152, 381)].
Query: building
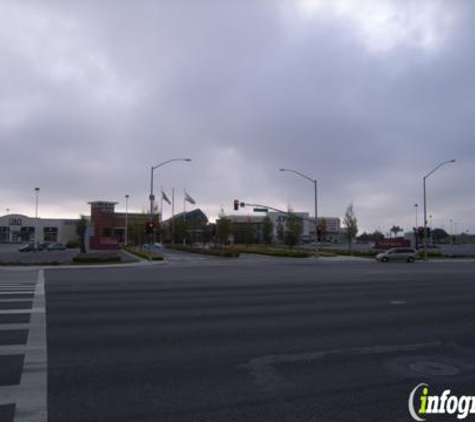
[(190, 226), (248, 229), (107, 230), (19, 228)]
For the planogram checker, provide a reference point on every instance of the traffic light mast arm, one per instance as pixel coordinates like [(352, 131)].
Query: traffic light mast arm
[(277, 210)]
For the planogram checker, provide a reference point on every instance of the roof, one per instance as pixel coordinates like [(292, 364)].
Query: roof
[(192, 215)]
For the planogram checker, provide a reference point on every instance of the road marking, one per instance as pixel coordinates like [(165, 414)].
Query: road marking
[(14, 326), (31, 397), (34, 310), (22, 292)]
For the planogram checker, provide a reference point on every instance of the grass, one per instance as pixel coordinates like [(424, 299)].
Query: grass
[(142, 254), (221, 252)]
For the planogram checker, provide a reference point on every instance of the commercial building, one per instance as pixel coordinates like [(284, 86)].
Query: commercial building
[(248, 228), (107, 228), (19, 228)]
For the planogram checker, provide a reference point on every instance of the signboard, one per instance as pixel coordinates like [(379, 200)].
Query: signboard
[(261, 210), (392, 243)]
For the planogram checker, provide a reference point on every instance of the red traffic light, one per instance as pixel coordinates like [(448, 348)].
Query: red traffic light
[(236, 204)]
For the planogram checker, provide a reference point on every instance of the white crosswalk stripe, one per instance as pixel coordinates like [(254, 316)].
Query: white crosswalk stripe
[(23, 336)]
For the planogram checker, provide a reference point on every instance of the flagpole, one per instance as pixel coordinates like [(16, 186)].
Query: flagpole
[(161, 204), (173, 216), (184, 216)]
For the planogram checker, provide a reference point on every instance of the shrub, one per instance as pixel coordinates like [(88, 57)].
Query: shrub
[(225, 252), (143, 255)]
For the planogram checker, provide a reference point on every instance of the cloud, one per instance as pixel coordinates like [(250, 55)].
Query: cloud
[(364, 99)]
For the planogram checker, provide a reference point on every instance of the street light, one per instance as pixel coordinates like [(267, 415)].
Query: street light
[(152, 197), (415, 206), (425, 202), (37, 190), (314, 181), (126, 218)]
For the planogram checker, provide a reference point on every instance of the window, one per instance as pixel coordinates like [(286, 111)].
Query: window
[(50, 234)]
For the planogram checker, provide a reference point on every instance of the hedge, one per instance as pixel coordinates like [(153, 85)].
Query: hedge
[(142, 254), (284, 253), (224, 253)]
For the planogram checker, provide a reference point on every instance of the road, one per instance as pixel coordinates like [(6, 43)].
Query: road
[(257, 339), (253, 339)]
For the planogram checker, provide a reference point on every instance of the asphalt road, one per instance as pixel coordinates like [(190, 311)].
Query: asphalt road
[(259, 339)]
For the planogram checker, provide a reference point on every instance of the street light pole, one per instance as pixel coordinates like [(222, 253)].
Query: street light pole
[(425, 202), (152, 197), (37, 190), (126, 218), (314, 181)]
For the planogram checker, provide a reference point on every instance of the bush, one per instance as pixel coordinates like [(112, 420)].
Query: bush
[(224, 253), (287, 253), (143, 255), (72, 244)]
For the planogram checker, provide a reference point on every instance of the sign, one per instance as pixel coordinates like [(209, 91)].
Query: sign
[(392, 243), (261, 210), (15, 222)]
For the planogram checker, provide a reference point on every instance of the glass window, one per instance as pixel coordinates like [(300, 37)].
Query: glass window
[(50, 234)]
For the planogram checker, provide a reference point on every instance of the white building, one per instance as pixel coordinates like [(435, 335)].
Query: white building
[(333, 227), (17, 228)]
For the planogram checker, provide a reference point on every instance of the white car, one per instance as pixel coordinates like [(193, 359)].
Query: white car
[(398, 254), (155, 246)]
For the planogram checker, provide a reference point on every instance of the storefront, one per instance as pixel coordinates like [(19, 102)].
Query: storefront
[(18, 228)]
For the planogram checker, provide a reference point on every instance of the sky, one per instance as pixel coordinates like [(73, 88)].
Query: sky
[(365, 96)]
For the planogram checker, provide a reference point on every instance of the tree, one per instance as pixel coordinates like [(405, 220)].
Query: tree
[(267, 230), (294, 227), (396, 230), (223, 228), (81, 228), (350, 224)]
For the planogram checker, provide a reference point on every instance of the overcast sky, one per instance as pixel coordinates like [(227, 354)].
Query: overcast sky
[(366, 96)]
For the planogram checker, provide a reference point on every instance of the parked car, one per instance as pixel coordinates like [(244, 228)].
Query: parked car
[(155, 246), (56, 247), (398, 254), (30, 247)]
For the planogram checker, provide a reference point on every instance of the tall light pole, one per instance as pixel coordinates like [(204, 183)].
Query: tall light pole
[(425, 202), (415, 206), (451, 232), (314, 181), (37, 190), (152, 197), (126, 218)]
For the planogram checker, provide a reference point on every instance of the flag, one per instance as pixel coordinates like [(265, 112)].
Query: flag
[(165, 198), (189, 199)]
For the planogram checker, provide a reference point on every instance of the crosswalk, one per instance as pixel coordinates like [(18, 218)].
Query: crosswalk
[(23, 358)]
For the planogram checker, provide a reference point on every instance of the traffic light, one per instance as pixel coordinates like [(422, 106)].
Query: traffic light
[(319, 231), (236, 204), (149, 227), (421, 231)]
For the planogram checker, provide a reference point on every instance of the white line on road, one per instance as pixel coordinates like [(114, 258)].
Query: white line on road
[(23, 311), (31, 400)]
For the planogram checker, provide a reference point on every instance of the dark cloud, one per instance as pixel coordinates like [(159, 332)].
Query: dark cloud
[(94, 93)]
